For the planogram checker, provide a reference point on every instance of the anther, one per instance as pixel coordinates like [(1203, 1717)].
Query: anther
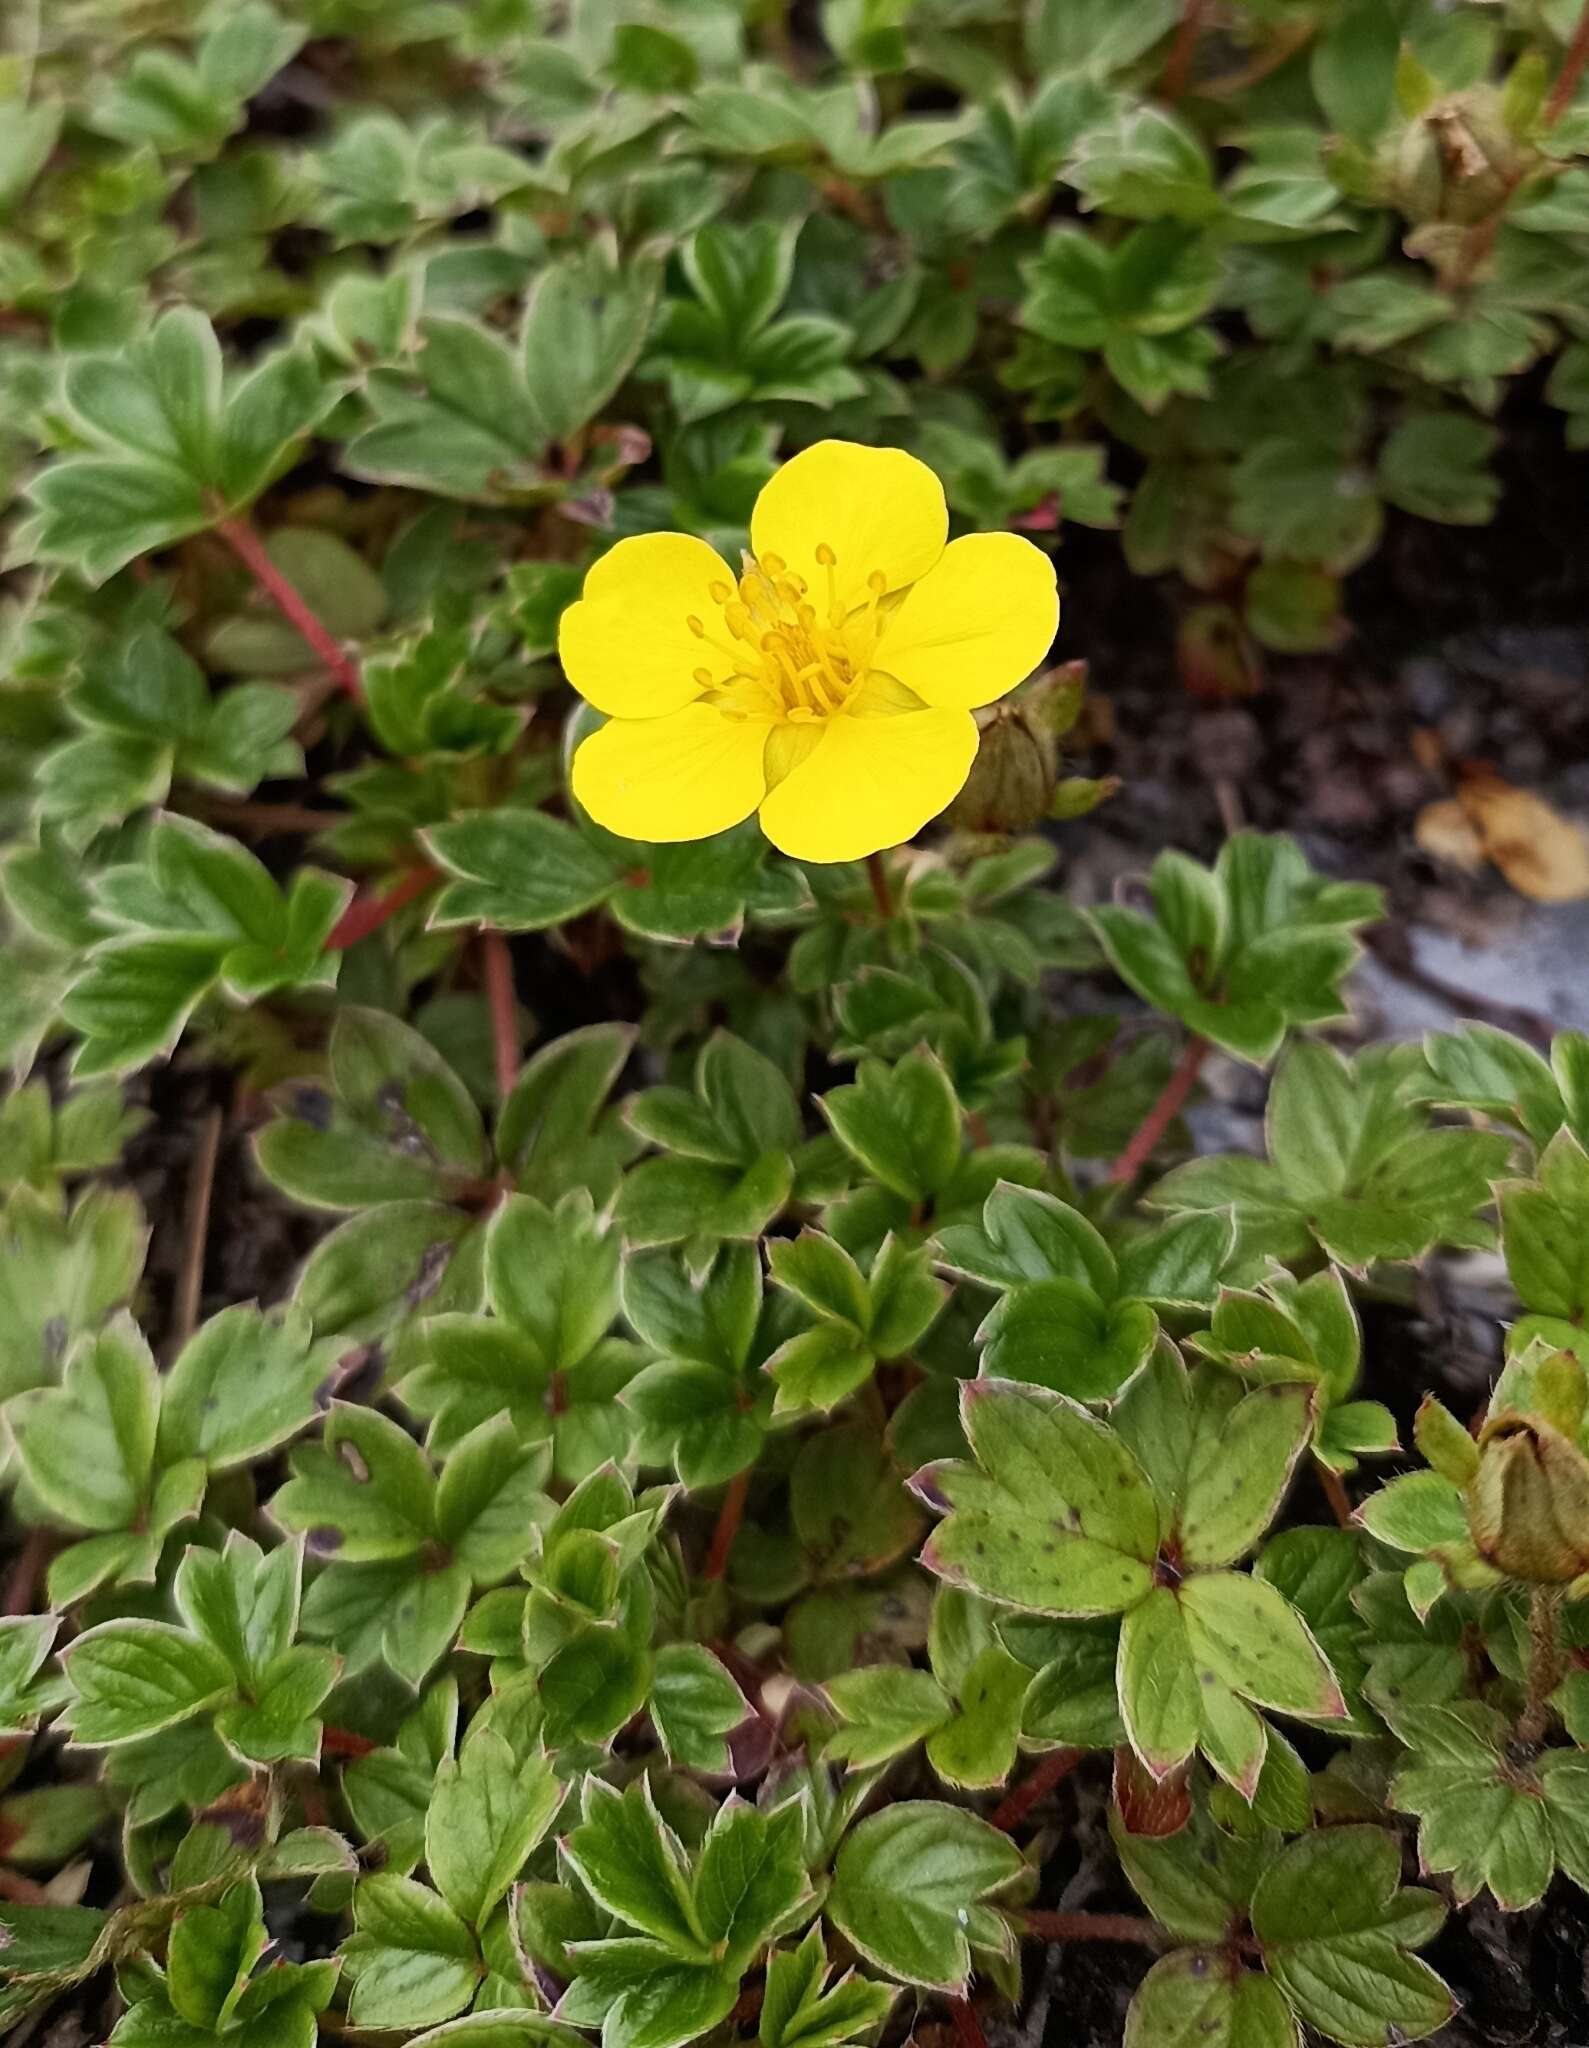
[(825, 555), (719, 592), (877, 581), (696, 626), (774, 565), (704, 677)]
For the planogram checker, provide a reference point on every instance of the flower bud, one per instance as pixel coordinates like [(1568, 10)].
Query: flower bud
[(1528, 1504), (1012, 778)]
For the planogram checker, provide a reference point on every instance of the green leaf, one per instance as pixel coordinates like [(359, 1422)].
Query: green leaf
[(212, 1951), (1028, 1235), (489, 1499), (1480, 1823), (470, 430), (1236, 1481), (908, 1885), (1160, 1700), (887, 1709), (487, 1813), (584, 327), (1057, 1333), (592, 1686), (901, 1123), (412, 1960), (1056, 1517), (62, 1275), (398, 1124), (1245, 1632), (695, 1705), (246, 1381), (366, 1493), (750, 1879), (133, 1678), (633, 1864), (518, 871), (1336, 1930), (797, 2010), (88, 1447), (1192, 1998), (1353, 70)]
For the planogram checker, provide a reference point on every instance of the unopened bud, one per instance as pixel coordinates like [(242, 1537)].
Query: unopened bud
[(1012, 778), (1528, 1504)]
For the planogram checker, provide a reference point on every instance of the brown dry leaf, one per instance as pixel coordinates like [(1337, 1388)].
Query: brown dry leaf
[(1542, 854), (1444, 831)]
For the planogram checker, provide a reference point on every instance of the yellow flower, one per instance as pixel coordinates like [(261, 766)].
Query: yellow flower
[(829, 686)]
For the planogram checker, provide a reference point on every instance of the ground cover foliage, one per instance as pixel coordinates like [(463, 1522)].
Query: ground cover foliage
[(760, 1400)]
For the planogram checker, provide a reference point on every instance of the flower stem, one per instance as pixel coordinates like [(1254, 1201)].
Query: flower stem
[(882, 889), (1162, 1114), (1564, 91), (249, 549), (1544, 1661), (504, 1010), (367, 913), (728, 1519), (1127, 1927), (1020, 1801)]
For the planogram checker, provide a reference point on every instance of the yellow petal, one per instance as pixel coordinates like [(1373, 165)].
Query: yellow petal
[(627, 646), (976, 624), (870, 783), (685, 776), (876, 508)]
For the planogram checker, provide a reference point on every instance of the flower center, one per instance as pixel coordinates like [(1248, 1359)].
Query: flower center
[(794, 663)]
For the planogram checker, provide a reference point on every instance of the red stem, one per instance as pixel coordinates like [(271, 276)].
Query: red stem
[(1178, 67), (1565, 90), (1335, 1493), (728, 1520), (1043, 1779), (1162, 1114), (1095, 1927), (249, 549), (968, 2028), (504, 1010), (367, 913)]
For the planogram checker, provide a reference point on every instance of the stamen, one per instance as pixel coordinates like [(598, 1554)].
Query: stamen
[(699, 630)]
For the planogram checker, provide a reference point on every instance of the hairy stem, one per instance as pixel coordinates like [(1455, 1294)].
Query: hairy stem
[(1544, 1661), (1023, 1797), (1178, 68), (1162, 1114), (1335, 1493), (249, 549), (367, 913), (968, 2028), (504, 1010), (1565, 90), (728, 1520), (1125, 1927)]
